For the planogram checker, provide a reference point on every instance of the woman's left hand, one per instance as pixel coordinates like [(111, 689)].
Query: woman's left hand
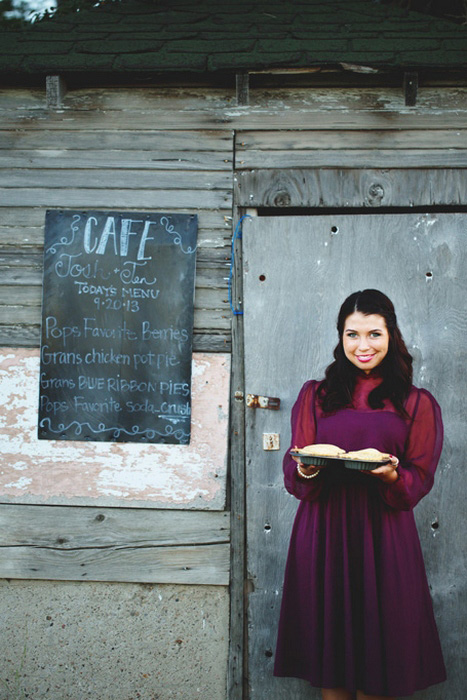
[(388, 472)]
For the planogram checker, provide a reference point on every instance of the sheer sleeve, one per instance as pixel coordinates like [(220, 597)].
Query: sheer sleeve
[(303, 433), (420, 459)]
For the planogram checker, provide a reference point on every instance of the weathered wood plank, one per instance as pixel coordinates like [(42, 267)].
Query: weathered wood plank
[(346, 139), (21, 238), (211, 342), (18, 336), (22, 98), (35, 216), (33, 257), (237, 647), (31, 295), (204, 340), (208, 275), (350, 188), (204, 318), (114, 544), (202, 564), (241, 118), (116, 179), (118, 159), (212, 250), (155, 142), (441, 158), (64, 527), (373, 108), (131, 199)]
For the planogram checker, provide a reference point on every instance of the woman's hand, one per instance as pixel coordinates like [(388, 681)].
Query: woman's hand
[(306, 469), (388, 472)]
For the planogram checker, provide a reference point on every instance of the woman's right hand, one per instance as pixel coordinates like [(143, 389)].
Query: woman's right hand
[(307, 469)]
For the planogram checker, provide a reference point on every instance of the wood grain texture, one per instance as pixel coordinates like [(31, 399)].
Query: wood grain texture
[(353, 158), (237, 669), (114, 544), (35, 216), (31, 297), (307, 140), (207, 565), (199, 161), (28, 336), (350, 188), (179, 109), (204, 318), (131, 179), (155, 142), (93, 198), (79, 527)]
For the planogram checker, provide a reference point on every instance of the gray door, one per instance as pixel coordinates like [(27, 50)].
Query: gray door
[(297, 271)]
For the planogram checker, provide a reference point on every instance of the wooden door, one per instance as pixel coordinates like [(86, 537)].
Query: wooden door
[(297, 272)]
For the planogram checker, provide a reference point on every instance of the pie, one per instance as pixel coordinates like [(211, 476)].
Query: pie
[(369, 454), (322, 451)]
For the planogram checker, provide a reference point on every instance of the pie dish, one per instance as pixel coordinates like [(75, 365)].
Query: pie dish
[(362, 460)]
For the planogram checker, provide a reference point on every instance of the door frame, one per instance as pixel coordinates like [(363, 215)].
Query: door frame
[(304, 191)]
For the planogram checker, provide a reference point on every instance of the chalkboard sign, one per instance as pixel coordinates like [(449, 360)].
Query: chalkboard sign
[(117, 326)]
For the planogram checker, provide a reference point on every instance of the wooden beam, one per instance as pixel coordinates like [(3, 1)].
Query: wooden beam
[(55, 91), (321, 108), (237, 649), (350, 187), (114, 544), (410, 88), (243, 89)]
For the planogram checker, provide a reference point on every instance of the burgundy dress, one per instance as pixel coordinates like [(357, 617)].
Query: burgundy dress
[(356, 609)]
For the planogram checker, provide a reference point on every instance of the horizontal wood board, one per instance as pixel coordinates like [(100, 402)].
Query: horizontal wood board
[(351, 149), (194, 108), (114, 544), (371, 188)]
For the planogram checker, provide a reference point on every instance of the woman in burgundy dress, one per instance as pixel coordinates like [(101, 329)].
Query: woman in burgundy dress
[(357, 617)]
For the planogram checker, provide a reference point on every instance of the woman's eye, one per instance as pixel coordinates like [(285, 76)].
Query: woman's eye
[(351, 335), (376, 334)]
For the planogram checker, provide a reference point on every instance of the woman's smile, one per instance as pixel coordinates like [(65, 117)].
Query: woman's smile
[(365, 340)]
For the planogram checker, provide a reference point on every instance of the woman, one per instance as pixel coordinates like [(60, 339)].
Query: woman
[(356, 612)]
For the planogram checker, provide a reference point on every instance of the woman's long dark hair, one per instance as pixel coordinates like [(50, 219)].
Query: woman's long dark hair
[(336, 390)]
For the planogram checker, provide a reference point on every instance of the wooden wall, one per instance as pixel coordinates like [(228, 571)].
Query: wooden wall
[(172, 149), (196, 150), (109, 151), (123, 150)]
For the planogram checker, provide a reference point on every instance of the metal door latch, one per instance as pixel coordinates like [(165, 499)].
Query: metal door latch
[(254, 401)]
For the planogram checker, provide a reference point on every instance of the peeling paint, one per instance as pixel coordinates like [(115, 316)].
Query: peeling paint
[(108, 473)]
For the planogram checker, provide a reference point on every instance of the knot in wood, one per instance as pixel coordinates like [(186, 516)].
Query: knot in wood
[(282, 199), (376, 191)]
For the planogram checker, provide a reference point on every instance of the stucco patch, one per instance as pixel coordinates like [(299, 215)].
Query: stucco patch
[(69, 472)]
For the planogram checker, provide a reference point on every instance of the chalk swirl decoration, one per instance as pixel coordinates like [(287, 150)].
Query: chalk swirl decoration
[(177, 237), (150, 434), (66, 241)]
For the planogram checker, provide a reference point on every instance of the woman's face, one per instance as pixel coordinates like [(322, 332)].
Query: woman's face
[(365, 340)]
